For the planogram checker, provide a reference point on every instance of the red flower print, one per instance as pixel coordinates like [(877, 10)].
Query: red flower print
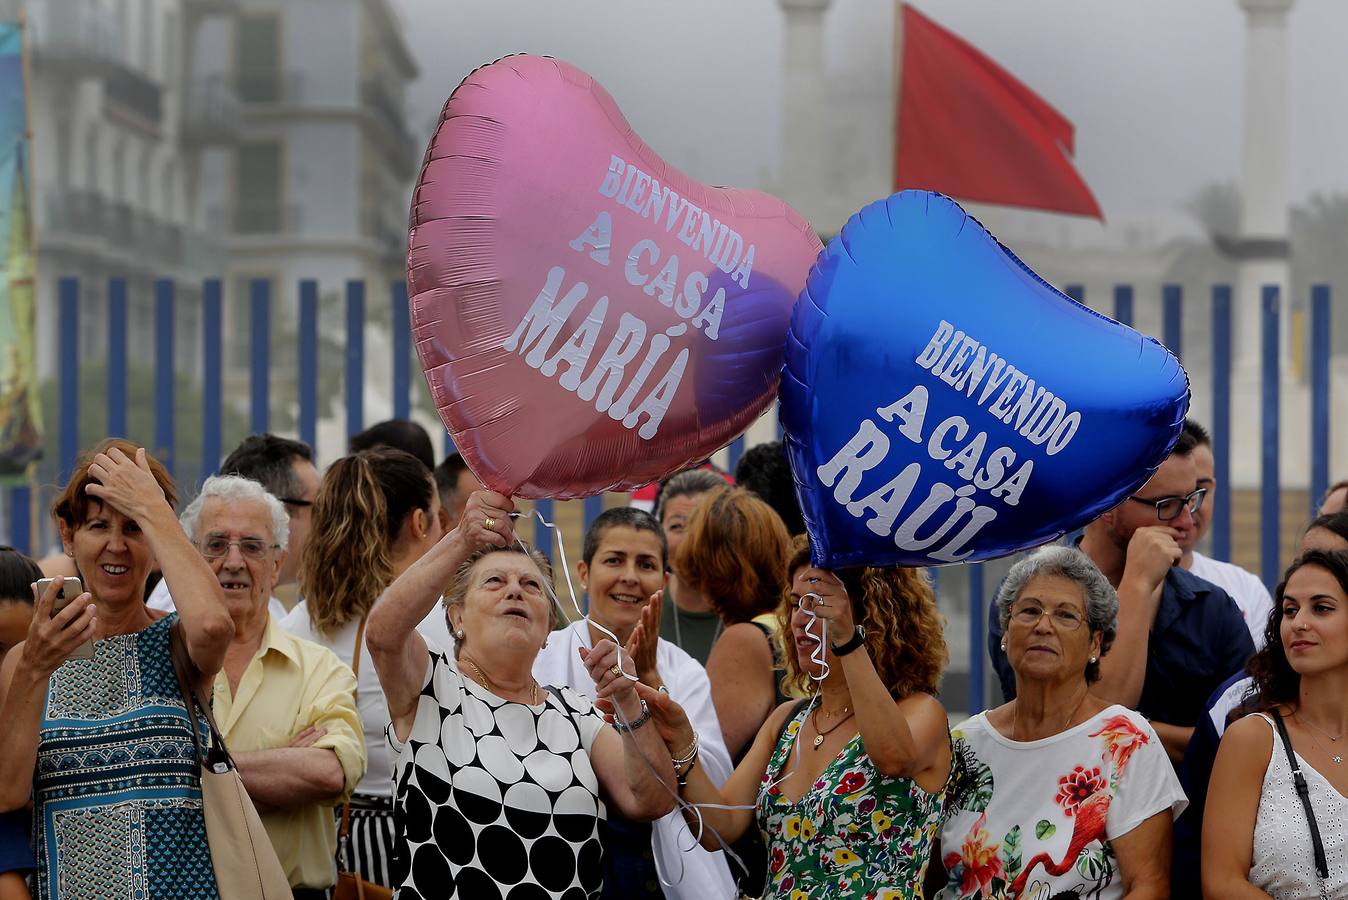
[(778, 859), (851, 783), (866, 805), (1122, 738), (981, 860), (1078, 787)]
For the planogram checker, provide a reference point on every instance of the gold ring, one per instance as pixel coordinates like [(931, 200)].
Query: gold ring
[(616, 670), (489, 523)]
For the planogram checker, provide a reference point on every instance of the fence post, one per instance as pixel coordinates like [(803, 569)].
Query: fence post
[(212, 362), (1320, 350), (1172, 328), (355, 356), (733, 453), (977, 637), (402, 353), (259, 290), (1123, 304), (117, 357), (20, 519), (1221, 420), (1270, 563), (164, 290), (68, 291), (308, 361)]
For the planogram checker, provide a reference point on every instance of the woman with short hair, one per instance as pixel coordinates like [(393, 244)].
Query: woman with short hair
[(500, 781), (121, 705), (1063, 794)]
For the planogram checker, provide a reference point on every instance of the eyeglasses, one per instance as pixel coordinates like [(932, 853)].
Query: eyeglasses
[(1168, 508), (1064, 618), (296, 502), (216, 546)]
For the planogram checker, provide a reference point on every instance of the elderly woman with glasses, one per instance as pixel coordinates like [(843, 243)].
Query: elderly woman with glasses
[(1063, 795)]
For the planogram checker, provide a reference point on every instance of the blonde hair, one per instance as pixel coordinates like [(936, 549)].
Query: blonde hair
[(359, 512), (904, 632)]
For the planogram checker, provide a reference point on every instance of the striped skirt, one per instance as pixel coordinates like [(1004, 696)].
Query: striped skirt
[(369, 850)]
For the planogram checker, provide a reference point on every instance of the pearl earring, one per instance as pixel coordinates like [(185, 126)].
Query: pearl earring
[(459, 634), (1003, 646), (1095, 659)]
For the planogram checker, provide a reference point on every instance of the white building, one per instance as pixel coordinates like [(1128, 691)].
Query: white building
[(116, 148)]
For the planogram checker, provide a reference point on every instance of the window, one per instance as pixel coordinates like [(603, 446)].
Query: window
[(257, 59), (260, 188)]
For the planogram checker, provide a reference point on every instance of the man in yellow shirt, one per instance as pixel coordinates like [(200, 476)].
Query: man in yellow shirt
[(286, 706)]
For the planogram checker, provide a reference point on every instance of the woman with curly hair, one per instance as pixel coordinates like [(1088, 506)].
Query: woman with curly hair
[(1063, 794), (849, 786), (1260, 839), (732, 557)]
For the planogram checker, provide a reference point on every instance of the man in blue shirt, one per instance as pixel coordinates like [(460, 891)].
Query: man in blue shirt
[(1179, 637)]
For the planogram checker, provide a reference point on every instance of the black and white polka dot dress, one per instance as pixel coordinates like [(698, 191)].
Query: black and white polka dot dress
[(494, 799)]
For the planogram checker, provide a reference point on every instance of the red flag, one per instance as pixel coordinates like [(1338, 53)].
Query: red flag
[(970, 129)]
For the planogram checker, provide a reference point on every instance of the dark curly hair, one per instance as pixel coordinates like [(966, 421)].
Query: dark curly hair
[(1274, 678), (905, 635)]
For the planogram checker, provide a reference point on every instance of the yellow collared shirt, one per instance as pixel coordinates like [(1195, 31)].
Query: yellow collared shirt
[(289, 685)]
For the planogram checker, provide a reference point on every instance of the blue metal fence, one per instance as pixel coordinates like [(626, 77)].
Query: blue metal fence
[(260, 366)]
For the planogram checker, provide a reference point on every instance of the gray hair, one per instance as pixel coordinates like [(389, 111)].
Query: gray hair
[(234, 489), (1100, 599)]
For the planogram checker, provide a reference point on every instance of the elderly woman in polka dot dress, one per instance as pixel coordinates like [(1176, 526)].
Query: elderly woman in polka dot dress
[(500, 782)]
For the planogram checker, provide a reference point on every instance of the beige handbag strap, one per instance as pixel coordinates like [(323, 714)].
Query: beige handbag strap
[(355, 669)]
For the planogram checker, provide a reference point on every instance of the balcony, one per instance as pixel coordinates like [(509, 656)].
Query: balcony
[(204, 8), (118, 228), (269, 88), (131, 94), (79, 38), (389, 237), (211, 112), (250, 219), (80, 213), (385, 105)]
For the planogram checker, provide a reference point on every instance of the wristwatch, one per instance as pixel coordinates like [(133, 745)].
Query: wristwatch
[(858, 638)]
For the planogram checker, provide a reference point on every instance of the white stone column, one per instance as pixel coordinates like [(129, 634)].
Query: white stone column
[(804, 125), (1262, 245)]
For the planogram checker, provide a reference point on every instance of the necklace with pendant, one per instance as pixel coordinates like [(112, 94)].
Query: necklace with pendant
[(820, 735), (1336, 758)]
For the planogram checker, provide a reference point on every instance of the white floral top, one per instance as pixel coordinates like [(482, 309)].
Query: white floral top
[(1036, 818)]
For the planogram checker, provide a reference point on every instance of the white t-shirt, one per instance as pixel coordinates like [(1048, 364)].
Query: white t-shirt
[(162, 600), (1245, 588), (1019, 806), (705, 875), (370, 702)]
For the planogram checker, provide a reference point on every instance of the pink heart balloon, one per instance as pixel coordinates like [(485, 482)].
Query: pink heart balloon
[(588, 317)]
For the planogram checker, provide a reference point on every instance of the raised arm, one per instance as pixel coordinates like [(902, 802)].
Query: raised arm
[(398, 650), (129, 487), (24, 677)]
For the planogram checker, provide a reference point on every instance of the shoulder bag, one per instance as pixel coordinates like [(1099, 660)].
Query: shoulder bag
[(246, 865)]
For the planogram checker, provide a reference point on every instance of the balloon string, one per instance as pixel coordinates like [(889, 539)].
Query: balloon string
[(694, 810)]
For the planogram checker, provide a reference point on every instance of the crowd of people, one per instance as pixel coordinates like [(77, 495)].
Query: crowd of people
[(413, 710)]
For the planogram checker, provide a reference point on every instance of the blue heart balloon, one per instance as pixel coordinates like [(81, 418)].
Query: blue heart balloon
[(942, 403)]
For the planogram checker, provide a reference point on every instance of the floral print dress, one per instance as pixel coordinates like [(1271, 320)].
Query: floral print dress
[(854, 834)]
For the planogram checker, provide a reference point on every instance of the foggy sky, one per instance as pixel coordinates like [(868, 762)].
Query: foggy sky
[(1154, 87)]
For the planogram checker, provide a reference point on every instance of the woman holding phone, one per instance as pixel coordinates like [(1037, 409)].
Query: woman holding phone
[(105, 742)]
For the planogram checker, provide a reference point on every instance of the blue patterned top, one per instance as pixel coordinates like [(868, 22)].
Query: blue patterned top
[(117, 792)]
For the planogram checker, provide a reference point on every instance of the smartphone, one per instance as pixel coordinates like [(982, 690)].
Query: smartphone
[(70, 589)]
